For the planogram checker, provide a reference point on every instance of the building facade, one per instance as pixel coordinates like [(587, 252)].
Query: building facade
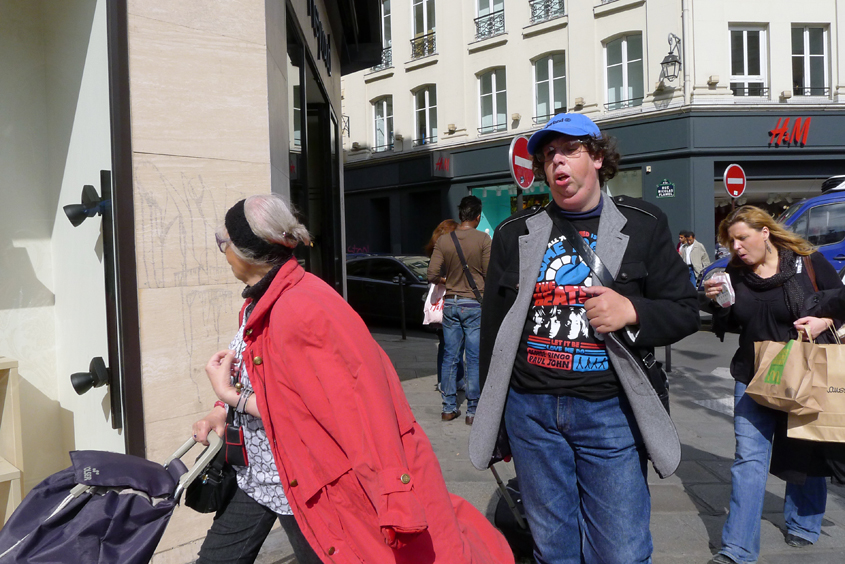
[(143, 122), (760, 84)]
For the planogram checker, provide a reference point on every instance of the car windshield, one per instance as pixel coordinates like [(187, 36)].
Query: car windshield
[(418, 266)]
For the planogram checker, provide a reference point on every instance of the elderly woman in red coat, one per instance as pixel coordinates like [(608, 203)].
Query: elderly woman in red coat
[(357, 470)]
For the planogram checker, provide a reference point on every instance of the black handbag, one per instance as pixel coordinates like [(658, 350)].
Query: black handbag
[(216, 486)]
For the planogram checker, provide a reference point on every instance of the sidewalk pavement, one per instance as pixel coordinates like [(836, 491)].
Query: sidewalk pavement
[(688, 509)]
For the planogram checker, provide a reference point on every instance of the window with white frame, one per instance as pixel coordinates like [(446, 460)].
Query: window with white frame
[(624, 64), (493, 105), (423, 43), (386, 37), (491, 18), (383, 121), (425, 113), (748, 61), (549, 87), (809, 61)]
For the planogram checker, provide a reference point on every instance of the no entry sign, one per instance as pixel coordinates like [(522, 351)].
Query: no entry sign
[(521, 163), (734, 179)]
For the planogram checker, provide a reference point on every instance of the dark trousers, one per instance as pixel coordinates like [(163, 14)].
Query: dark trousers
[(239, 530)]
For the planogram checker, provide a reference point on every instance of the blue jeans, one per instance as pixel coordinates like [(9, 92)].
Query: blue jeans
[(581, 467), (803, 508), (461, 332), (441, 349)]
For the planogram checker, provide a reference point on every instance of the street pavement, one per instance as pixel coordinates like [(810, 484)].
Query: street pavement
[(688, 508)]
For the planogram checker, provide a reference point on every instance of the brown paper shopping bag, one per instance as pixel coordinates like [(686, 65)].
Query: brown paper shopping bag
[(828, 426), (789, 376)]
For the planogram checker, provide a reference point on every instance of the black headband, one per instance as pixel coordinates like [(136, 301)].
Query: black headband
[(242, 236)]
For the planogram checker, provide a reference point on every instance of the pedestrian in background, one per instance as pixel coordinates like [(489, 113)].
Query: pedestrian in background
[(464, 281), (552, 395), (358, 472), (769, 270), (444, 227), (699, 259)]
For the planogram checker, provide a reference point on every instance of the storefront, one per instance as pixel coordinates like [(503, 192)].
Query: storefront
[(675, 161)]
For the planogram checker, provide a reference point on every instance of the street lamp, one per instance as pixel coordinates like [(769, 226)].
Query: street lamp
[(671, 64)]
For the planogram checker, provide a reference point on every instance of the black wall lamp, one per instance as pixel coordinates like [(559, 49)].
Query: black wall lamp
[(671, 64), (99, 373)]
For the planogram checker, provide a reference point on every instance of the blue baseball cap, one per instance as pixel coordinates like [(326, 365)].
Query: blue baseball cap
[(576, 125)]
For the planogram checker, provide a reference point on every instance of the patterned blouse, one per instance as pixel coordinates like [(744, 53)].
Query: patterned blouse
[(260, 479)]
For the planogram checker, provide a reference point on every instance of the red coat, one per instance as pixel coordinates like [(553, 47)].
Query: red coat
[(358, 470)]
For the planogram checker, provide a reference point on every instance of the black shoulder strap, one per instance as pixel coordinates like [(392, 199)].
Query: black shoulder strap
[(468, 274), (583, 249)]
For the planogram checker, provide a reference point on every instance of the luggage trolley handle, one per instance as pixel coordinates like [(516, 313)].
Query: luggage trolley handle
[(509, 499), (215, 443)]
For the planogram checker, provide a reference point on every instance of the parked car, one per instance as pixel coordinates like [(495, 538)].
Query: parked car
[(820, 220), (372, 286)]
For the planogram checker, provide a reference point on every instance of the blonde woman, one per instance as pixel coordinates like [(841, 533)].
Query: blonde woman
[(771, 270)]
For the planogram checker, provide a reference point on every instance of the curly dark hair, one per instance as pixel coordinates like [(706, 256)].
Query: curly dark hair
[(604, 146)]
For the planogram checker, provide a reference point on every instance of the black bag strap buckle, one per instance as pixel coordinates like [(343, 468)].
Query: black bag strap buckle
[(649, 360)]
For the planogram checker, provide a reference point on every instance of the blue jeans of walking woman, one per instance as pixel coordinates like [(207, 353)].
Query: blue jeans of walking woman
[(581, 467), (804, 506), (461, 331)]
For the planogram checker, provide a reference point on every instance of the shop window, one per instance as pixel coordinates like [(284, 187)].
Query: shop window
[(626, 183), (425, 110), (383, 121), (748, 61), (493, 105), (809, 61), (624, 64), (423, 43), (491, 18), (549, 87)]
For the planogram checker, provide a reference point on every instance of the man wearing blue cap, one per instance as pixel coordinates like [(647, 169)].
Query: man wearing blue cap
[(570, 385)]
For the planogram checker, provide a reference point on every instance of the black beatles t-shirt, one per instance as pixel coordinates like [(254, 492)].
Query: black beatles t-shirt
[(559, 353)]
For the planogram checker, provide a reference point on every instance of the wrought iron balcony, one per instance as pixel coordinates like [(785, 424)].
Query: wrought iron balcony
[(543, 10), (543, 119), (624, 104), (344, 127), (811, 91), (751, 91), (493, 128), (382, 148), (490, 25), (425, 141), (386, 59), (423, 46)]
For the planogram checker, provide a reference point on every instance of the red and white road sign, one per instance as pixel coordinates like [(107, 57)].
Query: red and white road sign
[(521, 163), (734, 179)]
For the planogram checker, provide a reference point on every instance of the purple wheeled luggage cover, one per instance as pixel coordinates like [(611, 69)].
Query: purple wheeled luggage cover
[(120, 521)]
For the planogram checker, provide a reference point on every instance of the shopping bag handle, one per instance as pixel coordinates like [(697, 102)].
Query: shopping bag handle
[(214, 445)]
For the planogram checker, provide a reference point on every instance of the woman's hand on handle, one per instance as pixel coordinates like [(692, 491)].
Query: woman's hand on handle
[(214, 421), (816, 325)]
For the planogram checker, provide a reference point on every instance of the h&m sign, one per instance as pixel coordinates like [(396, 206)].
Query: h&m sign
[(782, 134), (324, 40)]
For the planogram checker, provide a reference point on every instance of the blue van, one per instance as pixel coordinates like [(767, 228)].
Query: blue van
[(820, 220)]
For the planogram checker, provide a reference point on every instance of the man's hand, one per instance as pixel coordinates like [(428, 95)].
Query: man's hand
[(609, 311)]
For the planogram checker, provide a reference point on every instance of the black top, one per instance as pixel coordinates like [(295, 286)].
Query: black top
[(764, 316)]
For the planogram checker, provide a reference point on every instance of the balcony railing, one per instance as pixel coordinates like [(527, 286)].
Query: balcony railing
[(493, 128), (425, 141), (386, 59), (752, 91), (344, 128), (624, 104), (382, 148), (543, 119), (543, 10), (423, 46), (490, 25), (811, 91)]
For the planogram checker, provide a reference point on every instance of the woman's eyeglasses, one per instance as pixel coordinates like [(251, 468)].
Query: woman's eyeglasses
[(568, 149), (221, 242)]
